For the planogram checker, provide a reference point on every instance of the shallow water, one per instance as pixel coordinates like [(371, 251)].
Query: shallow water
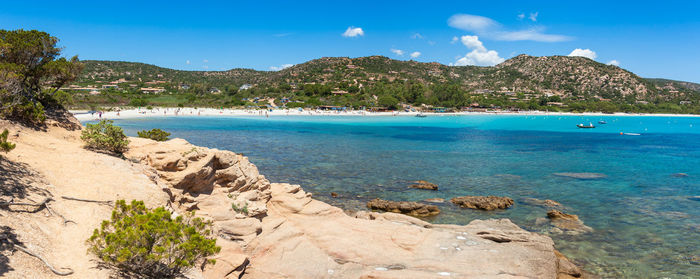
[(646, 225)]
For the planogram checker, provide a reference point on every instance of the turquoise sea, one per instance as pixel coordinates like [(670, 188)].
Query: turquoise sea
[(646, 217)]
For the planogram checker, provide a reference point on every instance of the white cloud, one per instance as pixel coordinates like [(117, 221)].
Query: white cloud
[(472, 42), (471, 22), (397, 51), (614, 63), (431, 43), (187, 62), (415, 54), (521, 16), (281, 67), (454, 40), (532, 34), (533, 16), (488, 28), (479, 55), (205, 61), (282, 34), (205, 67), (416, 36), (584, 53), (353, 32)]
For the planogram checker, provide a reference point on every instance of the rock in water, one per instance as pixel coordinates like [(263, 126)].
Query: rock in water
[(542, 203), (404, 207), (334, 194), (483, 202), (422, 184), (434, 200), (581, 175), (695, 198), (680, 174), (567, 222)]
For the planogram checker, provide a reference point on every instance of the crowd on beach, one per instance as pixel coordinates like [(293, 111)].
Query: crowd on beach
[(173, 112)]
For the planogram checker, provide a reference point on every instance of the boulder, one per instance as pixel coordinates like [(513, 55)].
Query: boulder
[(581, 175), (403, 207), (680, 174), (567, 223), (425, 185), (231, 261), (483, 202)]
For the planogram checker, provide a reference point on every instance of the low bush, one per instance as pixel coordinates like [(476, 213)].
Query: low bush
[(154, 134), (105, 136), (5, 146), (141, 242)]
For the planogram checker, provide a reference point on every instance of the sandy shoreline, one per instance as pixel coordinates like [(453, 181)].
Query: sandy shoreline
[(83, 115)]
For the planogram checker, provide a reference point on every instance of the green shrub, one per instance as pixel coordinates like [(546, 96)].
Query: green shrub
[(150, 243), (138, 102), (154, 134), (29, 112), (5, 146), (105, 136)]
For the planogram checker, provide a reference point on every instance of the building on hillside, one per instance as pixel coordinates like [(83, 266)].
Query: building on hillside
[(184, 86), (555, 104), (214, 90), (245, 87), (686, 102), (105, 86), (154, 90)]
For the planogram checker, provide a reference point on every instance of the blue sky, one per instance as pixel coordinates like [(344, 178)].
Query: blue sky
[(652, 39)]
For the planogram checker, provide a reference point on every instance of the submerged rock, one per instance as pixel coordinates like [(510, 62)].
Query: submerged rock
[(425, 185), (694, 198), (542, 203), (435, 200), (581, 175), (680, 174), (334, 194), (483, 202), (568, 223), (404, 207)]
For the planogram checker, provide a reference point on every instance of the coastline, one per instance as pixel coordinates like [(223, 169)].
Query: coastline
[(83, 115), (281, 225)]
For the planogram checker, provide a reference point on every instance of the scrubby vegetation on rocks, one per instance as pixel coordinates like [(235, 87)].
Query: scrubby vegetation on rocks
[(154, 134), (5, 146), (105, 136), (142, 242)]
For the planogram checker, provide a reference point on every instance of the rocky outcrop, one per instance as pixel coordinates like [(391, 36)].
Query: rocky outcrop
[(403, 207), (581, 175), (277, 230), (483, 202), (425, 185), (567, 223)]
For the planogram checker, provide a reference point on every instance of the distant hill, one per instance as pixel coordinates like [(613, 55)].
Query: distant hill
[(522, 82), (559, 75)]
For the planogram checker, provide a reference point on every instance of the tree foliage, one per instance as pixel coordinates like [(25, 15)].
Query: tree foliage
[(5, 146), (105, 136), (154, 134), (31, 72), (143, 242)]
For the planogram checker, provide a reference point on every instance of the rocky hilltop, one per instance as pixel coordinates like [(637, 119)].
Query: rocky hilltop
[(559, 75), (265, 229)]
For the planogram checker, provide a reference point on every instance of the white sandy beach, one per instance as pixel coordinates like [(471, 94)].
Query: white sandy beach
[(83, 115)]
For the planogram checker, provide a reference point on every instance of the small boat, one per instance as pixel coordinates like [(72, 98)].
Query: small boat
[(421, 115), (602, 122), (590, 125)]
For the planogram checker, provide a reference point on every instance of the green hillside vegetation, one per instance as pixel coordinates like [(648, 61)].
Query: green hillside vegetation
[(554, 83)]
